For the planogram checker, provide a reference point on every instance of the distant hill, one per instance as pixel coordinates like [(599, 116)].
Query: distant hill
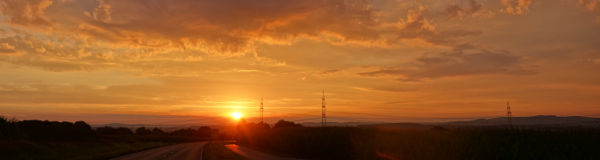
[(340, 124), (532, 121), (539, 120), (127, 125), (167, 128), (398, 126)]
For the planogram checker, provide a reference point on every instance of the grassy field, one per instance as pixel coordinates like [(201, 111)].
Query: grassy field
[(216, 151), (36, 139), (433, 143), (101, 147)]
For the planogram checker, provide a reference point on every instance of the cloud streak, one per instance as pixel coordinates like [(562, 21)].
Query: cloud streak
[(461, 61)]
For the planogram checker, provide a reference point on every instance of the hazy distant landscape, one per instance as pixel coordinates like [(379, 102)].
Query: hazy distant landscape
[(545, 137)]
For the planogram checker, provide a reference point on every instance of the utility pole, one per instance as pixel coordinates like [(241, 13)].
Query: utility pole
[(508, 114), (261, 110), (323, 116)]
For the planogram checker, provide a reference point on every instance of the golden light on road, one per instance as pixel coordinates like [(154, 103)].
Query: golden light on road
[(236, 115)]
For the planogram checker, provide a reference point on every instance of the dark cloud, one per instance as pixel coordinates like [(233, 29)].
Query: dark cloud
[(226, 27), (460, 10), (417, 26), (462, 61), (231, 26)]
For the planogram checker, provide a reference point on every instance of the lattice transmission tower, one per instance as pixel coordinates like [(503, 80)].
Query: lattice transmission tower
[(261, 110), (508, 114), (323, 115)]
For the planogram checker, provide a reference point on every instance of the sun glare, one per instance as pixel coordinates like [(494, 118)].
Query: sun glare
[(236, 115)]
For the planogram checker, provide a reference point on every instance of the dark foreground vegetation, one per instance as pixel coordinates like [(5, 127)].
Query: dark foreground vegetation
[(374, 142), (35, 139)]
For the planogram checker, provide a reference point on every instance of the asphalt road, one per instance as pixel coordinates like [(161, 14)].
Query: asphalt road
[(184, 151)]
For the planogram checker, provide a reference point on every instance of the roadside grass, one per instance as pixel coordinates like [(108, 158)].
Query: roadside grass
[(37, 139), (217, 151), (434, 143), (101, 147)]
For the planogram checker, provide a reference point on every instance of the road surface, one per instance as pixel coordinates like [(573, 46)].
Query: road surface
[(253, 154), (184, 151)]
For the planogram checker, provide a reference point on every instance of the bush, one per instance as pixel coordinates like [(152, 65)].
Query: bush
[(157, 131), (143, 131), (37, 129), (107, 130), (283, 123), (205, 132)]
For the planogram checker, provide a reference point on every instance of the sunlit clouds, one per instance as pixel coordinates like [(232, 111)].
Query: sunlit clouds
[(378, 60)]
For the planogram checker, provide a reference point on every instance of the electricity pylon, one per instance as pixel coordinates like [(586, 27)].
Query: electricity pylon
[(323, 115)]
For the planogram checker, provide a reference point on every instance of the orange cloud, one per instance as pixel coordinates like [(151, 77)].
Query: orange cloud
[(6, 48), (516, 7), (29, 12), (589, 4)]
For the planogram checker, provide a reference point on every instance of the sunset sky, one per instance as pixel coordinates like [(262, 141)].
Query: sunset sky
[(190, 61)]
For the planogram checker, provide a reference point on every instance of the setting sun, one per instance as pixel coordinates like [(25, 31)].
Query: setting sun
[(236, 115)]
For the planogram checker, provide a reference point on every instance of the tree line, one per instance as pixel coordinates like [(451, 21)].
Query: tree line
[(54, 130)]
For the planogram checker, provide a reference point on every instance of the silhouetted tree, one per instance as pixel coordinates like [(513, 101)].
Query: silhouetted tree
[(183, 132), (110, 130), (4, 127), (3, 120), (106, 130), (200, 132), (54, 130), (204, 131), (283, 123), (262, 125), (142, 131), (157, 131), (82, 128), (123, 130)]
